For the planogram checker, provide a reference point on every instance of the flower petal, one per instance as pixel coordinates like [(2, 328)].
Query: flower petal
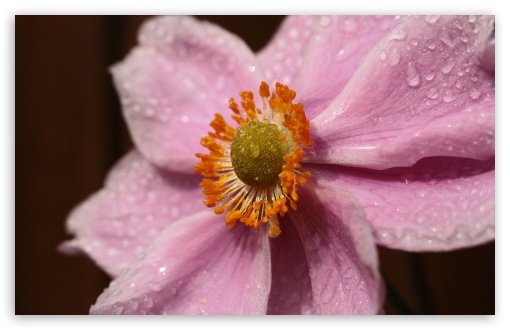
[(283, 55), (291, 291), (171, 85), (422, 93), (337, 47), (340, 251), (138, 201), (319, 54), (438, 204), (196, 266)]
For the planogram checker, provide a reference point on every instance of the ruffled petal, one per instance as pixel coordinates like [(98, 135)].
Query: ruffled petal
[(137, 202), (439, 204), (196, 266), (283, 55), (171, 85), (337, 47), (291, 291), (340, 250), (317, 55), (422, 93)]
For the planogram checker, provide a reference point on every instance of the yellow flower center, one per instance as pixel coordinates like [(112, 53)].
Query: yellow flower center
[(257, 153), (254, 169)]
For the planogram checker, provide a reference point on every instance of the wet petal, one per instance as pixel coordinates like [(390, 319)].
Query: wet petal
[(137, 202), (317, 55), (438, 204), (422, 93), (340, 250), (291, 291), (283, 55), (337, 47), (196, 266), (171, 85)]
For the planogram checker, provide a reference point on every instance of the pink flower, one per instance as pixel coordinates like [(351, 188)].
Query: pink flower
[(401, 115)]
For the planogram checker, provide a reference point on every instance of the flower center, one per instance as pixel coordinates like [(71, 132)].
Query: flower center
[(257, 153), (255, 170)]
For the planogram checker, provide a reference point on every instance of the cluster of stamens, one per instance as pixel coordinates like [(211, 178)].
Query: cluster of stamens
[(253, 171)]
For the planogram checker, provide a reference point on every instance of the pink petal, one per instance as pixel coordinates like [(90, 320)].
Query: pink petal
[(337, 47), (340, 251), (291, 291), (196, 266), (438, 204), (317, 55), (420, 94), (283, 55), (171, 85), (137, 202)]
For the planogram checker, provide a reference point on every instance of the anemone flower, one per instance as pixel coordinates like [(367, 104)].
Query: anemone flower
[(346, 132)]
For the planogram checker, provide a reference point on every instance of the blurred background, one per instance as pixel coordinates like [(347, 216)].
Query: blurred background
[(69, 131)]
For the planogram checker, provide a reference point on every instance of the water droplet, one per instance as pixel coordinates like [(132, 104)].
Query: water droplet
[(414, 42), (431, 19), (430, 44), (394, 55), (475, 94), (449, 96), (382, 55), (429, 75), (413, 77), (340, 55), (399, 34), (254, 150), (463, 37), (148, 302), (350, 25), (155, 286), (447, 67), (472, 18), (133, 304), (184, 119), (445, 36), (458, 24), (432, 93)]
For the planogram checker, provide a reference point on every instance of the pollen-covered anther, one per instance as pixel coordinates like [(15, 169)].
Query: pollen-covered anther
[(253, 171)]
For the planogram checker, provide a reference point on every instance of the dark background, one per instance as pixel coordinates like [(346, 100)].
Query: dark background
[(69, 131)]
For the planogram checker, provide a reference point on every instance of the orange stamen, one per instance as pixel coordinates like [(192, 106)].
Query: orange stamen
[(254, 205)]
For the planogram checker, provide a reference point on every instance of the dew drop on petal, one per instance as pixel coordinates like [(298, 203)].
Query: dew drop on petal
[(394, 56), (431, 19), (382, 55), (430, 44), (432, 93), (413, 77), (475, 94), (449, 97), (447, 67), (429, 75)]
